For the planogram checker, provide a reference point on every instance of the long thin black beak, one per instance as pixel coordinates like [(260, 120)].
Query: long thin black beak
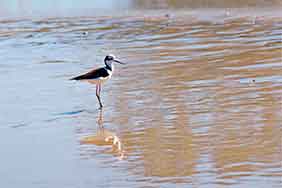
[(117, 61)]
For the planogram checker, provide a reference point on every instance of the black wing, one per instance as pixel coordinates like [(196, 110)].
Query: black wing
[(101, 72)]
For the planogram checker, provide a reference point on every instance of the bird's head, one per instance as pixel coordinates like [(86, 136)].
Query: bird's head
[(109, 59)]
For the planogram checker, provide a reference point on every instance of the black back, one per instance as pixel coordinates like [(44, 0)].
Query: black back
[(94, 74)]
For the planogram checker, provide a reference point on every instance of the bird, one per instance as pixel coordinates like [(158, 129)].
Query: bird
[(100, 75)]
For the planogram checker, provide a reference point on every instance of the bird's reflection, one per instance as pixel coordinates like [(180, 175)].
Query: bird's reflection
[(104, 137)]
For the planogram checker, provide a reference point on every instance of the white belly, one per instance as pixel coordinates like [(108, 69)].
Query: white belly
[(98, 80)]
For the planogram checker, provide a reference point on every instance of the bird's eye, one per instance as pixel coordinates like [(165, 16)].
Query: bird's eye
[(109, 58)]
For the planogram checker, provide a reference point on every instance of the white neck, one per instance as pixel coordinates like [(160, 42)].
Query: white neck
[(109, 65)]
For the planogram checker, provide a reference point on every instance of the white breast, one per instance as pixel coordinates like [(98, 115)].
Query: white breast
[(110, 73)]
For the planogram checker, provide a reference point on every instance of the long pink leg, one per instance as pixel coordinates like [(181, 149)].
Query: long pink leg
[(98, 90)]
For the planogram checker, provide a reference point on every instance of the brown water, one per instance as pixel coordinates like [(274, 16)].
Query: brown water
[(199, 103)]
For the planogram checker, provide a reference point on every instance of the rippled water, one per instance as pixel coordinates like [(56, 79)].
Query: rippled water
[(198, 104)]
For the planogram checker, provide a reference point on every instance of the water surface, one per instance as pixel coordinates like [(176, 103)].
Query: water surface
[(199, 103)]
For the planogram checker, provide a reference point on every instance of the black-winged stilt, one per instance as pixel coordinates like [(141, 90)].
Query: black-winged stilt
[(100, 75)]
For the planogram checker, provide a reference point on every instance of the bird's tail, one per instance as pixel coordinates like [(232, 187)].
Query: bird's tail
[(76, 78)]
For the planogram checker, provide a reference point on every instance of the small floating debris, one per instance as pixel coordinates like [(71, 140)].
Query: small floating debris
[(71, 112), (167, 15), (19, 125), (29, 36), (85, 33), (53, 61)]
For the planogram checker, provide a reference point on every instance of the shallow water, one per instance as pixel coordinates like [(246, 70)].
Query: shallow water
[(199, 103)]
